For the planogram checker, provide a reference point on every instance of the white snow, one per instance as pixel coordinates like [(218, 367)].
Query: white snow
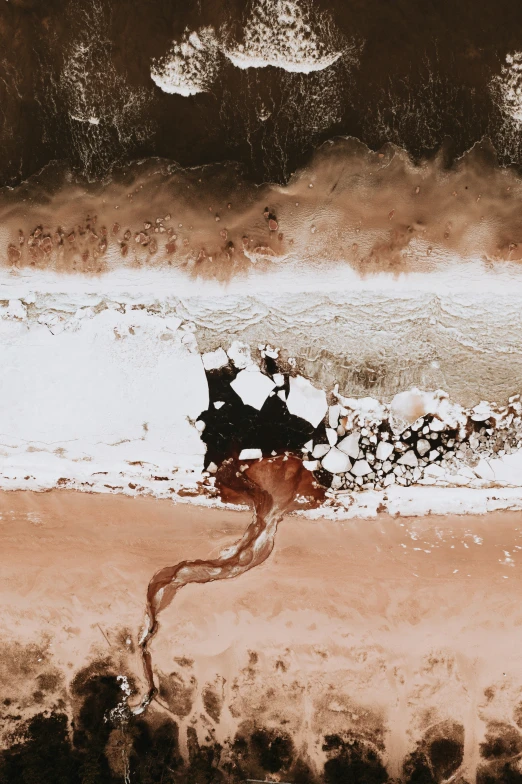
[(331, 435), (333, 415), (306, 401), (407, 407), (502, 470), (253, 387), (364, 410), (509, 87), (416, 501), (78, 387), (481, 412), (423, 446), (115, 393)]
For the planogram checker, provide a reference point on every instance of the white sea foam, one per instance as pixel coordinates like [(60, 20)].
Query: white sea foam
[(285, 34), (104, 112), (509, 85), (191, 65)]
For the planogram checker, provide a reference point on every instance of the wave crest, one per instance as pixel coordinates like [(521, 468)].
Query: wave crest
[(191, 65)]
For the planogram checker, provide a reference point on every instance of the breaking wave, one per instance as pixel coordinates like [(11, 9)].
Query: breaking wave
[(509, 86), (282, 33), (191, 65)]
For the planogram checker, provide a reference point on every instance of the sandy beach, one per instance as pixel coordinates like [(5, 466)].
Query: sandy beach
[(389, 631)]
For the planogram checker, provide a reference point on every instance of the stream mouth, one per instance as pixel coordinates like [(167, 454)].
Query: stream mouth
[(270, 488)]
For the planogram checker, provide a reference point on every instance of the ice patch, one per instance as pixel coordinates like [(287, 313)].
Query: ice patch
[(305, 401), (239, 353), (336, 462), (214, 360), (253, 387), (406, 407), (250, 454)]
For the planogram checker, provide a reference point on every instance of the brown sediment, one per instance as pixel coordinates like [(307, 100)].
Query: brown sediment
[(271, 488)]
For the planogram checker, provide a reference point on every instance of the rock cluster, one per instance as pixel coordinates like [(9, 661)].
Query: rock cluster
[(373, 456)]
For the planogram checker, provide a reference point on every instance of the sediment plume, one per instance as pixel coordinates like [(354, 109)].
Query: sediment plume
[(270, 487)]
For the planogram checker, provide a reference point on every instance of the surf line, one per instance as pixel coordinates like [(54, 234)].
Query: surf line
[(272, 492)]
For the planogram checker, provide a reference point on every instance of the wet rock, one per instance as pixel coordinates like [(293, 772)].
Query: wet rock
[(274, 749), (502, 740), (47, 245)]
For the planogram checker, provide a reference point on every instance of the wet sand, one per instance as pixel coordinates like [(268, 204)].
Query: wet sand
[(389, 630), (372, 212)]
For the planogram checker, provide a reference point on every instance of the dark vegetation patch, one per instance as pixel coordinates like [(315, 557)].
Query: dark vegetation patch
[(437, 757), (213, 702), (350, 760), (504, 773), (502, 740), (262, 752), (177, 694)]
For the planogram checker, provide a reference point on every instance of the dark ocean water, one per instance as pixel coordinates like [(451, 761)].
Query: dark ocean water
[(75, 81)]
